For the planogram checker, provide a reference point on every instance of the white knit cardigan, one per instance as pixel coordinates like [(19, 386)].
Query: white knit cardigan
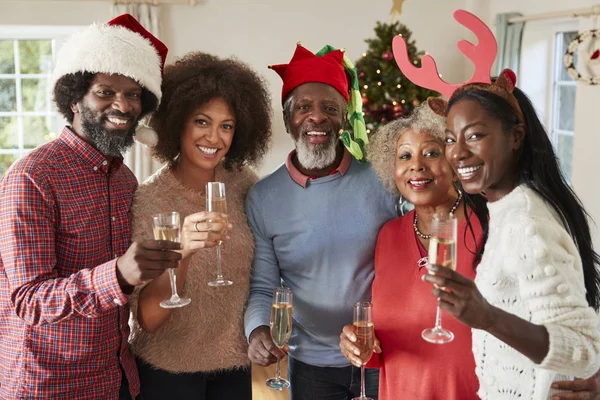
[(531, 268)]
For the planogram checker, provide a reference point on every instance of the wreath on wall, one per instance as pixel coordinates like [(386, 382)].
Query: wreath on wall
[(590, 58)]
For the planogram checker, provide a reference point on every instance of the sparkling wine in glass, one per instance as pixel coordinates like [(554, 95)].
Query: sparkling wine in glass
[(281, 328), (217, 202), (166, 227), (442, 251), (365, 341)]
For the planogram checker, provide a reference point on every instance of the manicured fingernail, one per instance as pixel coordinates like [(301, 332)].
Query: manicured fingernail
[(356, 352), (352, 338), (227, 237)]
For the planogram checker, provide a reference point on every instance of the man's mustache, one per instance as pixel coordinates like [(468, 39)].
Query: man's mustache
[(119, 114), (321, 128)]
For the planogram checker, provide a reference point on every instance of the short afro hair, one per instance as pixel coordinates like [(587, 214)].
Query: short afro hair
[(381, 150), (71, 89), (196, 79)]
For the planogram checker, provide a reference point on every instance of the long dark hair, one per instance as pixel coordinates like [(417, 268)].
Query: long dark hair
[(475, 204), (538, 168)]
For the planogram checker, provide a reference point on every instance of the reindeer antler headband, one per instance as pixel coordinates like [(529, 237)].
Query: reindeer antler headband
[(482, 55)]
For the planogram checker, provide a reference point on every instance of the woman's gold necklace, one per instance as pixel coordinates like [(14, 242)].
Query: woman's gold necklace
[(424, 236)]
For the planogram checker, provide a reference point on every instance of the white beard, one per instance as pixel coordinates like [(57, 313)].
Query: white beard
[(316, 156)]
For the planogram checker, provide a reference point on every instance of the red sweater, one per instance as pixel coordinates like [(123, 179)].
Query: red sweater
[(403, 306)]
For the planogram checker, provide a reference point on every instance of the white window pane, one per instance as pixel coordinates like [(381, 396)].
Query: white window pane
[(8, 95), (8, 133), (7, 57), (565, 154), (566, 108), (35, 95), (6, 161), (37, 130), (35, 56)]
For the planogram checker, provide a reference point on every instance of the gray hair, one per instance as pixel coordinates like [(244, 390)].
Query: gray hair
[(381, 150)]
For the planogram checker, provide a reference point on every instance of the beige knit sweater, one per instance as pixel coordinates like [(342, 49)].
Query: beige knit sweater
[(206, 335)]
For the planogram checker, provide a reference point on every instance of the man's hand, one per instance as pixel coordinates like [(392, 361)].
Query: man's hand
[(581, 389), (145, 261), (349, 348), (262, 350)]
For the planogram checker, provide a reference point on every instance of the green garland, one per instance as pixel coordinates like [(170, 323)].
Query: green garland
[(355, 142)]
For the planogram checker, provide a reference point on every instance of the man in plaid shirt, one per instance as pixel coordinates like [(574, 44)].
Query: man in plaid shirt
[(66, 265)]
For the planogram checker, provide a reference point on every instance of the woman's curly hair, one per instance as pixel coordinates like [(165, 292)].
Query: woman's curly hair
[(195, 80), (381, 150), (71, 88)]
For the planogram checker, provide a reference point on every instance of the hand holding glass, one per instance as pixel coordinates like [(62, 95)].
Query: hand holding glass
[(442, 252), (281, 328), (217, 202), (166, 226), (365, 341)]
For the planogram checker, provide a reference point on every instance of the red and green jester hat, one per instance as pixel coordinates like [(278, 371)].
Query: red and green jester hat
[(332, 67)]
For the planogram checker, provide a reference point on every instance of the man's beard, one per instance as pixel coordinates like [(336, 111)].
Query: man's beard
[(110, 142), (316, 156)]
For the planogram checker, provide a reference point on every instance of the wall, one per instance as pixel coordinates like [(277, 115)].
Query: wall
[(587, 133), (263, 32)]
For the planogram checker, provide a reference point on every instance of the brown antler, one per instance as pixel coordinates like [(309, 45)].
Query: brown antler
[(482, 55)]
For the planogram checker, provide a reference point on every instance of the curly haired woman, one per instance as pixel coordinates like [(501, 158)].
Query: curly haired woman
[(214, 121)]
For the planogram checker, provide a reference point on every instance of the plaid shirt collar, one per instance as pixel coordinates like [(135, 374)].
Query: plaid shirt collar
[(95, 159)]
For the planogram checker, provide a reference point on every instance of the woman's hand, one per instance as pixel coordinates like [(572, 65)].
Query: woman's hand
[(579, 389), (461, 298), (349, 349), (203, 230)]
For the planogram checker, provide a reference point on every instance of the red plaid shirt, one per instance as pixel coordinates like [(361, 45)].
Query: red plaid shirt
[(64, 219)]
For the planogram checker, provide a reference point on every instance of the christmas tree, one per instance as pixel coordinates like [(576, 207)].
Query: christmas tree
[(386, 93)]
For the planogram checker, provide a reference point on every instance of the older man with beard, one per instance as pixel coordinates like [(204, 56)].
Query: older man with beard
[(315, 222), (66, 265)]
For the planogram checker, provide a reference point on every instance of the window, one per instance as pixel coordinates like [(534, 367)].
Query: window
[(563, 105), (28, 117)]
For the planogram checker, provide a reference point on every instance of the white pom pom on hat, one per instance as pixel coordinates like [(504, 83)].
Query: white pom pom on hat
[(146, 136)]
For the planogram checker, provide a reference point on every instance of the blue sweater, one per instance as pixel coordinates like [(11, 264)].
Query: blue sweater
[(318, 240)]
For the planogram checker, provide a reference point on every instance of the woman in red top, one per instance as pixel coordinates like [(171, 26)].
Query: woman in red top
[(410, 367)]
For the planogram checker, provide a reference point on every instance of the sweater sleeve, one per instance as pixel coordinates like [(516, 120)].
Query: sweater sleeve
[(550, 280), (265, 267)]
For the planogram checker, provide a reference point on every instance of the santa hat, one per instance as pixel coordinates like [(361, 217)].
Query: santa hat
[(330, 66), (121, 46), (307, 67)]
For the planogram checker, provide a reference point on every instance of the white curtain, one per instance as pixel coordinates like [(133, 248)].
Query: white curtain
[(138, 158), (508, 37)]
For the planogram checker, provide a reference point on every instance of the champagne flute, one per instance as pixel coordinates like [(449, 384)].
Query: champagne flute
[(363, 329), (281, 328), (442, 251), (166, 227), (216, 202)]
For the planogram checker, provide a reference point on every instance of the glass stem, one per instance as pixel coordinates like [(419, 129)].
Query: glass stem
[(278, 371), (438, 316), (219, 275), (173, 279), (362, 382)]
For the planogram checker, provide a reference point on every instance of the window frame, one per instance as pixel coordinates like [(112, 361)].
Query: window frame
[(557, 60), (58, 35)]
